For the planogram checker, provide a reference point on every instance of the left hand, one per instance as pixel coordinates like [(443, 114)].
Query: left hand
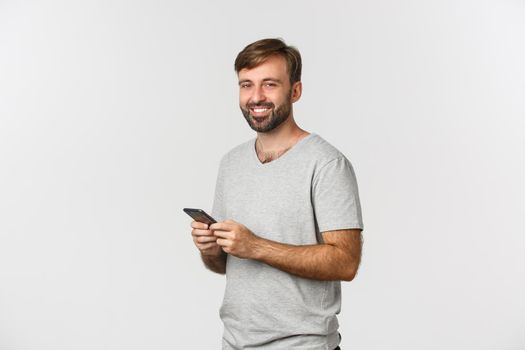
[(235, 239)]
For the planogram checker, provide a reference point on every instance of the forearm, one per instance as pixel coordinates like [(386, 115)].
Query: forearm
[(319, 262), (215, 263)]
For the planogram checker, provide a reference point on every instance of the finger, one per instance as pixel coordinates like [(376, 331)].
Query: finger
[(223, 242), (206, 246), (199, 225), (222, 226), (197, 232), (222, 234), (206, 239)]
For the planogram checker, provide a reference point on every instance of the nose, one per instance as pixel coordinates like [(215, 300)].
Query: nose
[(258, 95)]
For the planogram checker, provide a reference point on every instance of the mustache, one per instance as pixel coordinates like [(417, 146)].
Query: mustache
[(260, 105)]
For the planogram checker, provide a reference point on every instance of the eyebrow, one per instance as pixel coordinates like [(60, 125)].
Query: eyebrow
[(273, 79), (264, 80)]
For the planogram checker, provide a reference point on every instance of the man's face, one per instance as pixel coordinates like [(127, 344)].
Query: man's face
[(265, 94)]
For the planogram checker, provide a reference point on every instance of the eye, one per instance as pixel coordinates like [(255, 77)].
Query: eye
[(244, 85), (271, 85)]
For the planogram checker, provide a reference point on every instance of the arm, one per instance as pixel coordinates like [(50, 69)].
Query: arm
[(337, 258), (215, 263), (212, 255)]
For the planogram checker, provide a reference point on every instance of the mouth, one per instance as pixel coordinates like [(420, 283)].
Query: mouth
[(259, 112)]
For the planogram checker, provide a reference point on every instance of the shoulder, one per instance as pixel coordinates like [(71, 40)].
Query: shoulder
[(237, 154), (321, 151)]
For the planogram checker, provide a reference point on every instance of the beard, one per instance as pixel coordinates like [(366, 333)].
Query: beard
[(265, 124)]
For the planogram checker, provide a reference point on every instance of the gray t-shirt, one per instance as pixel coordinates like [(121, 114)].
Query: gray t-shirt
[(308, 190)]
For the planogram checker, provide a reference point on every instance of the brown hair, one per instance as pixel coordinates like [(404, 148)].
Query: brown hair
[(258, 52)]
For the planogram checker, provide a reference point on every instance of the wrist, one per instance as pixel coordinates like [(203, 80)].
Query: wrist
[(258, 248), (211, 253)]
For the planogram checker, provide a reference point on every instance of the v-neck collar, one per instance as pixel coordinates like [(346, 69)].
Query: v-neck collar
[(283, 157)]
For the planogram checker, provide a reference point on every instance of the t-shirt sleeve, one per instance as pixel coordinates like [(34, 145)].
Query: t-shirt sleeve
[(335, 197), (218, 210)]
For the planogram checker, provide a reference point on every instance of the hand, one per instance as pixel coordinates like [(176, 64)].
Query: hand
[(235, 239), (204, 239)]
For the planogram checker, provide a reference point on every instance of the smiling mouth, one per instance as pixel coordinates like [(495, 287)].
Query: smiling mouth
[(260, 112)]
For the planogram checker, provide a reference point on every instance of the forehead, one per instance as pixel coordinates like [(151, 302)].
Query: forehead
[(273, 67)]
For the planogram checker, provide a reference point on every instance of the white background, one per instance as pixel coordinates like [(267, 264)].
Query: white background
[(114, 115)]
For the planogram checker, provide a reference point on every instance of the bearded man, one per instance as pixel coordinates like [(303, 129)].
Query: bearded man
[(289, 217)]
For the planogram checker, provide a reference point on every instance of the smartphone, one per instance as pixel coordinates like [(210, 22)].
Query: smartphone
[(200, 215)]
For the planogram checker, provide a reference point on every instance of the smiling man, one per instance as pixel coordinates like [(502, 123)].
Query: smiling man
[(290, 224)]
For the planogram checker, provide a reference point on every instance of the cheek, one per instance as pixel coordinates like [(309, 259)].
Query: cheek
[(243, 99), (277, 99)]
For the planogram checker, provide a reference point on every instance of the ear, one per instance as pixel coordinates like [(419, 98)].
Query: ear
[(297, 90)]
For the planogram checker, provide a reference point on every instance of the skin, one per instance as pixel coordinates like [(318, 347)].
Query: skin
[(337, 258)]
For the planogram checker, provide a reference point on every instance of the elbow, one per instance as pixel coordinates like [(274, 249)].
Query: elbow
[(348, 277), (349, 274)]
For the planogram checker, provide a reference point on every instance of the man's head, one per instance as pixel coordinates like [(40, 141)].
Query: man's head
[(269, 74), (258, 52)]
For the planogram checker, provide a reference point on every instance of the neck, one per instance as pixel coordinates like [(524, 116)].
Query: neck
[(271, 145)]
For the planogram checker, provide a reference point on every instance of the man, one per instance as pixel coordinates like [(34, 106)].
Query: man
[(289, 216)]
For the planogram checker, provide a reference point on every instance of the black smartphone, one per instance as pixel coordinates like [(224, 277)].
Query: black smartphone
[(200, 215)]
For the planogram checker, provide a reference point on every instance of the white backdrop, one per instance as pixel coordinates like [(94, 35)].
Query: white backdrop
[(114, 115)]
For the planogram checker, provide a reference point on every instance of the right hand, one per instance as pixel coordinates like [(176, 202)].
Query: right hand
[(204, 239)]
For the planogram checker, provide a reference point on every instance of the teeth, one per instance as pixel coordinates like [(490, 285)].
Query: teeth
[(260, 110)]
